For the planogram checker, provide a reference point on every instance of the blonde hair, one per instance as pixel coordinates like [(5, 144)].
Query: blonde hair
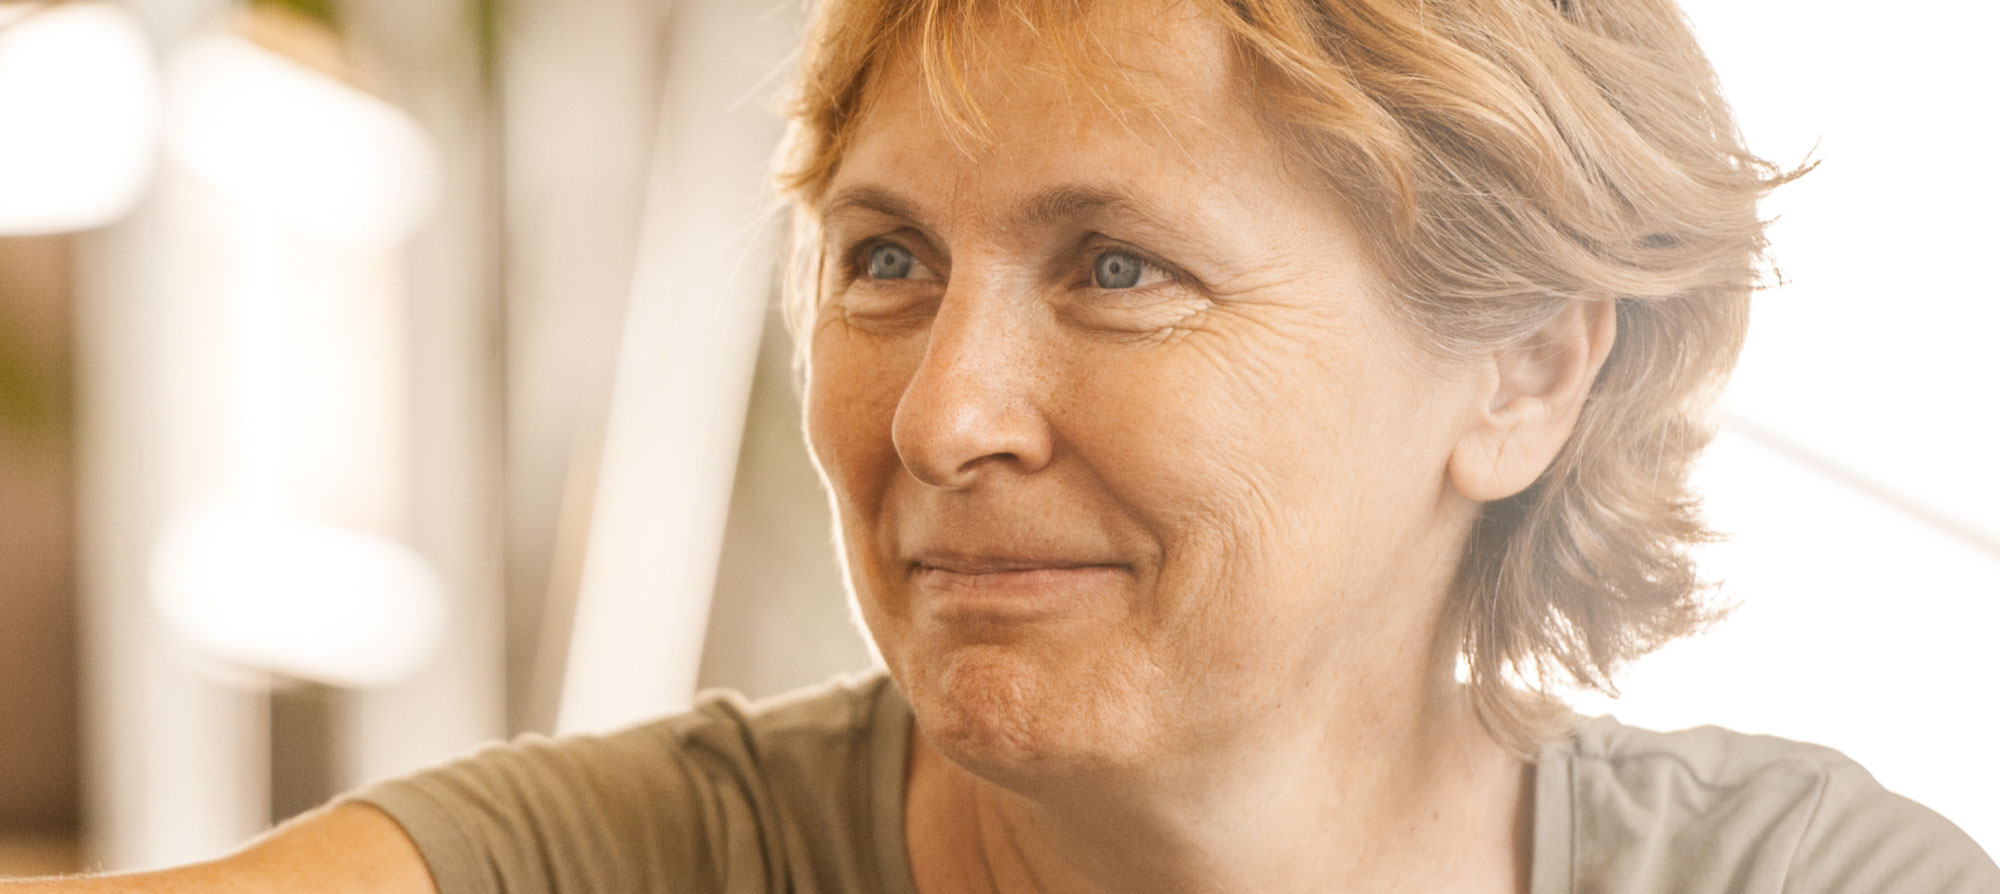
[(1503, 158)]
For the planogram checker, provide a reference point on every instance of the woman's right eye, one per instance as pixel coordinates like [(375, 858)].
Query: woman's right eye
[(887, 260), (885, 284)]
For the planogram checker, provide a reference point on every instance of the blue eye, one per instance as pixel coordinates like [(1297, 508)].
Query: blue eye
[(888, 261), (1118, 270)]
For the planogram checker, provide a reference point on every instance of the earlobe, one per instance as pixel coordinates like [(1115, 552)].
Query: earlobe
[(1533, 394)]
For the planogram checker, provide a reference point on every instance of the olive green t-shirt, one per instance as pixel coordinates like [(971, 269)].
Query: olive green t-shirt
[(804, 794)]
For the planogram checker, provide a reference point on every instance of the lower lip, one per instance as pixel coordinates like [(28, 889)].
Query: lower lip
[(1015, 594)]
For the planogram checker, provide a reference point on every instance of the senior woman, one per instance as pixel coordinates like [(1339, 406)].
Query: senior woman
[(1237, 415)]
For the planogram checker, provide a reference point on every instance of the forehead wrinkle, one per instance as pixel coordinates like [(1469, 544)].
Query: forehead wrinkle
[(878, 200), (1187, 231), (1068, 202), (1060, 204), (1052, 207)]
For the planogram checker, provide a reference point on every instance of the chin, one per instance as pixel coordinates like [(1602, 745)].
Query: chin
[(1022, 717)]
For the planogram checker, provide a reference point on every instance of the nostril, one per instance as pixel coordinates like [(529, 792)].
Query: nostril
[(954, 422)]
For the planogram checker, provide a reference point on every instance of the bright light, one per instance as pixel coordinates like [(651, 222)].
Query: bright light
[(287, 366), (308, 600), (287, 142), (79, 116), (1855, 473)]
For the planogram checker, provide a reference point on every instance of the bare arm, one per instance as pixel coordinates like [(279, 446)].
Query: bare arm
[(348, 849)]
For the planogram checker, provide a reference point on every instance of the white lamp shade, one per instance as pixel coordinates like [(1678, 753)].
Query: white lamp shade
[(79, 116), (312, 601), (298, 146)]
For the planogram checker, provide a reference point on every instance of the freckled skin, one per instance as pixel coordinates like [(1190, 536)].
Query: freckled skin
[(1160, 567), (1259, 445)]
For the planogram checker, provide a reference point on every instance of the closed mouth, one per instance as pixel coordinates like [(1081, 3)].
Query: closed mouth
[(968, 564)]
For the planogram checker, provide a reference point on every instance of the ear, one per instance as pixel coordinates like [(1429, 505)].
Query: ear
[(1531, 395)]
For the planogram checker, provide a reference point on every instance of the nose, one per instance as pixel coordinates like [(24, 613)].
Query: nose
[(970, 410)]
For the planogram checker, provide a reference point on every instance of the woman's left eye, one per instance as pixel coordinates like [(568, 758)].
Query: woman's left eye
[(1116, 269)]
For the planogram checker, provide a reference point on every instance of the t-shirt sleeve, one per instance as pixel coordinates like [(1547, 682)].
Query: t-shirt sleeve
[(631, 811), (1864, 839)]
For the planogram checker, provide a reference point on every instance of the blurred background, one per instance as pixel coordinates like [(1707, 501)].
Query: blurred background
[(379, 377)]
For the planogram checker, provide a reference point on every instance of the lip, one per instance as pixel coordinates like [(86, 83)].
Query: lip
[(978, 564), (996, 587)]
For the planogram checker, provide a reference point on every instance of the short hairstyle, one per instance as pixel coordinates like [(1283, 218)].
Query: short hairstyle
[(1502, 158)]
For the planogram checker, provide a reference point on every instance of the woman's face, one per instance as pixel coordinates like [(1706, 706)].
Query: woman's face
[(1127, 455)]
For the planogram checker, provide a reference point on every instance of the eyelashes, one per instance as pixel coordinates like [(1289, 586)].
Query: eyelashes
[(1099, 264), (1099, 285), (889, 261), (882, 259), (1117, 269)]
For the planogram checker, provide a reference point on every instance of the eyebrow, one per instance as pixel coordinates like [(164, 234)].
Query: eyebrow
[(1065, 203), (878, 200), (1051, 206)]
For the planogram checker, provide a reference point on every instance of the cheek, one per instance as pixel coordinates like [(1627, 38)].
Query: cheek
[(1253, 463), (852, 387), (853, 384), (1204, 448), (1210, 432)]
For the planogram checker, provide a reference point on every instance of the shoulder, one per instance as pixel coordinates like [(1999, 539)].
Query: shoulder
[(1715, 810), (783, 791), (819, 753), (833, 712), (797, 726)]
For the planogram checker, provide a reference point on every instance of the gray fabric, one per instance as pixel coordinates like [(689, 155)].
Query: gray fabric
[(805, 794), (801, 794), (1638, 812)]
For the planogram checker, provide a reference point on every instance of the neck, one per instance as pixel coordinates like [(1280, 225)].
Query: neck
[(1425, 801)]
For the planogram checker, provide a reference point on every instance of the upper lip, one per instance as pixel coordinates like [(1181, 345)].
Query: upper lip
[(976, 563)]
